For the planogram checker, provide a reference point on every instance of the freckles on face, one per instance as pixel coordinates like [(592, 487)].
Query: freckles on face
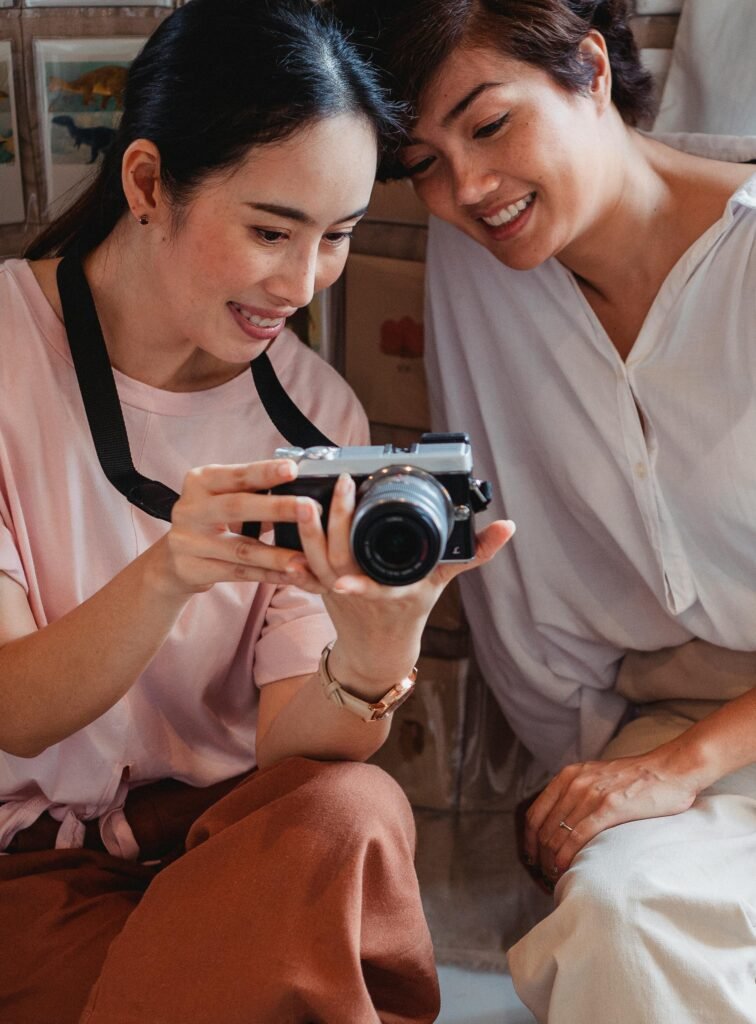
[(505, 154)]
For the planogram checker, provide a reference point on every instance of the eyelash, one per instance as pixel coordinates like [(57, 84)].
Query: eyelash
[(487, 130), (270, 237), (418, 168), (338, 237)]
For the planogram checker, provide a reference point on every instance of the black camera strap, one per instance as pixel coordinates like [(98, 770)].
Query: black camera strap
[(103, 407)]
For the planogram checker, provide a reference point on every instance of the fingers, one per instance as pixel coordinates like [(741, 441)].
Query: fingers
[(252, 476), (488, 544), (328, 557), (339, 525)]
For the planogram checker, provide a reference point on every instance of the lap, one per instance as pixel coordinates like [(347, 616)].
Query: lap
[(60, 910)]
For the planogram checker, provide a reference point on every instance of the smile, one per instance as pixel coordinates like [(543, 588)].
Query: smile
[(257, 321), (508, 213)]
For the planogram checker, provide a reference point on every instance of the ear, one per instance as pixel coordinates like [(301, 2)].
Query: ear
[(140, 177), (593, 51)]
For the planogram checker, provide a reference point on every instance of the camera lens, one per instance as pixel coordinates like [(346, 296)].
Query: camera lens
[(402, 524)]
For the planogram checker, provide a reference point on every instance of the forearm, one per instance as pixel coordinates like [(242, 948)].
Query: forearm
[(58, 679), (719, 744), (310, 725)]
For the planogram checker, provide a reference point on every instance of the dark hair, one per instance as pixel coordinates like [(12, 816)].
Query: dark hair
[(216, 78), (410, 39)]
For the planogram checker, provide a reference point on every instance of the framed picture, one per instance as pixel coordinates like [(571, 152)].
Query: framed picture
[(98, 3), (80, 85), (11, 187), (658, 6)]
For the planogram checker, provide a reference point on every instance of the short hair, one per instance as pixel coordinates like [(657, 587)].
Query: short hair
[(409, 40)]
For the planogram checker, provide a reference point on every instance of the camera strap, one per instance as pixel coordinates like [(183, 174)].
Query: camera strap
[(103, 407)]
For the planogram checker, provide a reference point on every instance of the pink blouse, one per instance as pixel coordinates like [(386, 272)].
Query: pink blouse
[(65, 532)]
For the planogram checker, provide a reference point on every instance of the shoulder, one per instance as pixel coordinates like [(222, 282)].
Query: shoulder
[(319, 390)]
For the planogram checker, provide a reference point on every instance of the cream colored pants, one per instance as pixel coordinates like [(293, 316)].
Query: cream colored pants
[(655, 922)]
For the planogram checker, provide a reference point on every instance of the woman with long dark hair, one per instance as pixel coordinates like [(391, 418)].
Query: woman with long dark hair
[(590, 306), (153, 651)]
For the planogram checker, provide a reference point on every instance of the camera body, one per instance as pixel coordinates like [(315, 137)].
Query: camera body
[(414, 506)]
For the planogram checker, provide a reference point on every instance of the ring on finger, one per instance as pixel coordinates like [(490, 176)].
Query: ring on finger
[(564, 825)]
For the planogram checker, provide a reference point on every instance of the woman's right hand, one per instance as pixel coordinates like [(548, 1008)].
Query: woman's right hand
[(204, 545)]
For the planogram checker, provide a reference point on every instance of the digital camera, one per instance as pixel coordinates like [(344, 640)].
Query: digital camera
[(414, 506)]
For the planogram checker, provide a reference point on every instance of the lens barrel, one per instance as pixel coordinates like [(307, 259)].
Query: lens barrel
[(401, 526)]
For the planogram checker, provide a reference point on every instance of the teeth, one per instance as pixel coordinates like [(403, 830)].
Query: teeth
[(509, 212), (258, 321)]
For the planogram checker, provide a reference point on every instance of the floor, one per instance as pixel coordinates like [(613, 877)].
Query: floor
[(478, 901), (478, 997)]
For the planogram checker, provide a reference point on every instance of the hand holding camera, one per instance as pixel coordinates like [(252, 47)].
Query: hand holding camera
[(414, 506)]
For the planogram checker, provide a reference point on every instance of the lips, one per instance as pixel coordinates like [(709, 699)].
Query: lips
[(257, 319), (506, 214), (259, 325)]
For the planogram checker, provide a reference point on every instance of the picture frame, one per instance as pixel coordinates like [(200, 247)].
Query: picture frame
[(98, 3), (80, 85), (11, 182)]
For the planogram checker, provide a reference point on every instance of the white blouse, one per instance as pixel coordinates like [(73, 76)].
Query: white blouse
[(628, 537)]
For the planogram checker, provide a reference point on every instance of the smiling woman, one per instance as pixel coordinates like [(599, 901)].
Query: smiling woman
[(190, 834), (590, 311)]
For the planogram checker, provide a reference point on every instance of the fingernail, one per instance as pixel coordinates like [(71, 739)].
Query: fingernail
[(287, 469), (345, 586), (511, 524), (343, 485), (304, 510)]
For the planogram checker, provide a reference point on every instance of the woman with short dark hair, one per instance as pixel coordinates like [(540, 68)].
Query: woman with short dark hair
[(590, 308), (155, 651)]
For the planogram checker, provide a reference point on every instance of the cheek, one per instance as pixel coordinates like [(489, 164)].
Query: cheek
[(330, 268)]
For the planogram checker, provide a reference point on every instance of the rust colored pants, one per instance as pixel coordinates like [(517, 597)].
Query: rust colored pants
[(295, 902)]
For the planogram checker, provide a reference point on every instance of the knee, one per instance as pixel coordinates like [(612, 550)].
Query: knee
[(612, 881), (352, 798)]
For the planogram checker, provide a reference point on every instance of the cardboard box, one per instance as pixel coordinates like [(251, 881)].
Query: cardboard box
[(424, 749), (396, 203), (497, 772), (384, 339)]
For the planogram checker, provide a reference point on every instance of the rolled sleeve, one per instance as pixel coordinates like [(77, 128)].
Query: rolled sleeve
[(296, 629)]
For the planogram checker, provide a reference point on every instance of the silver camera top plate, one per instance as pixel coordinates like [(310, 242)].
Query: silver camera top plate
[(362, 461)]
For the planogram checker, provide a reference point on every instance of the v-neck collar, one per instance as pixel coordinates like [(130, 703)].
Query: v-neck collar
[(671, 286)]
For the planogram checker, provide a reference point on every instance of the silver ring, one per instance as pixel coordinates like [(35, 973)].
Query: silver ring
[(563, 824)]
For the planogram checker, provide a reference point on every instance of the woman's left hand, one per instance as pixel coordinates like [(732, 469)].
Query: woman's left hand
[(378, 627), (585, 799)]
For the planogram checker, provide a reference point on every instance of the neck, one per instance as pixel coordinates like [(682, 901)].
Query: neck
[(626, 242), (134, 312)]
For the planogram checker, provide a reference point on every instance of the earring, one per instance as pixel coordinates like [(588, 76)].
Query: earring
[(144, 219)]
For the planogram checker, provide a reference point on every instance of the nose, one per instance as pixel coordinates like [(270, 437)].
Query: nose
[(471, 183), (296, 279)]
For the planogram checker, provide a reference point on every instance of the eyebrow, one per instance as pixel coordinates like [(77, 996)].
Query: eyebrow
[(458, 108), (465, 102), (291, 213)]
